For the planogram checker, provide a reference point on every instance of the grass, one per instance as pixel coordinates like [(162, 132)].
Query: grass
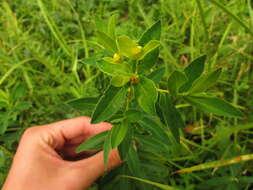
[(44, 46)]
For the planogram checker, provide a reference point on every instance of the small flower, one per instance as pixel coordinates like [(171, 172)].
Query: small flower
[(116, 58), (126, 47), (132, 50), (137, 50)]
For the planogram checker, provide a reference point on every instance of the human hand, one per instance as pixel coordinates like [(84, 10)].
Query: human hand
[(39, 161)]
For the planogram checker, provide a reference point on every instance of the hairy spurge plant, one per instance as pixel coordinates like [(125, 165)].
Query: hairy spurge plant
[(142, 114)]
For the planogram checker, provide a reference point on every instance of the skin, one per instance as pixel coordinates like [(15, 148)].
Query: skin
[(42, 160)]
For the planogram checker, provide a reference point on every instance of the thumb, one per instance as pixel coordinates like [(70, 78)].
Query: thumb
[(93, 167)]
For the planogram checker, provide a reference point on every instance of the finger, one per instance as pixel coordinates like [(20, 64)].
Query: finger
[(79, 129), (94, 165), (73, 131)]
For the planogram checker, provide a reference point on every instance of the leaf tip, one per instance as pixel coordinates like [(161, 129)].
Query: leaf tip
[(93, 121), (78, 150)]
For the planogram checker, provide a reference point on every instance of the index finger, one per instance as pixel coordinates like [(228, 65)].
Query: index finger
[(79, 128)]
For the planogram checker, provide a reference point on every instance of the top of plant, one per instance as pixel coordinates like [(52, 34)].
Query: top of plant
[(126, 56), (128, 61)]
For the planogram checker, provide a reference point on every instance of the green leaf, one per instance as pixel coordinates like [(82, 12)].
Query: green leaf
[(125, 184), (125, 144), (159, 185), (150, 46), (171, 116), (94, 143), (2, 158), (175, 81), (3, 105), (157, 75), (119, 80), (83, 104), (118, 134), (218, 181), (153, 33), (90, 60), (149, 143), (214, 105), (106, 148), (193, 71), (4, 121), (109, 104), (18, 92), (133, 162), (133, 115), (128, 47), (149, 61), (205, 81), (154, 128), (114, 69), (4, 97), (107, 42), (101, 24), (21, 107), (112, 26), (146, 95)]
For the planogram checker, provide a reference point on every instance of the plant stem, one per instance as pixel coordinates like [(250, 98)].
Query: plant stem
[(202, 16), (162, 90), (129, 97)]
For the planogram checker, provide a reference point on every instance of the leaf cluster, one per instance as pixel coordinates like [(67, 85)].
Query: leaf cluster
[(139, 110)]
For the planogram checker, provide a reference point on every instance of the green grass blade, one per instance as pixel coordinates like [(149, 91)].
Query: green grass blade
[(216, 164), (235, 17), (159, 185), (202, 16), (8, 73), (59, 38)]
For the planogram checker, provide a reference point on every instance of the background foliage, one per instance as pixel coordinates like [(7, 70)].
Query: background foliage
[(46, 53)]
